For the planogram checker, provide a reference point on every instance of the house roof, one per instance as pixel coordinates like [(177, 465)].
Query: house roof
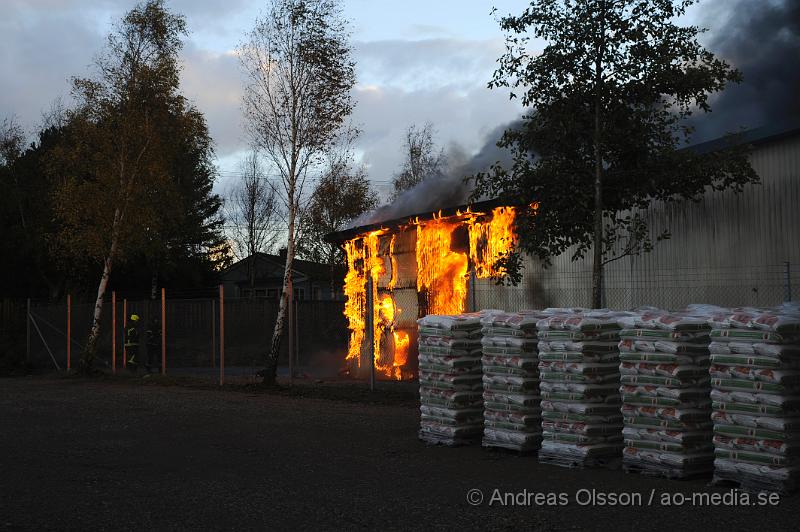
[(305, 268)]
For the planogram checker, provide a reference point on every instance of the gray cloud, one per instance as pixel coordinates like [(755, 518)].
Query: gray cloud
[(45, 42), (442, 81), (39, 52), (427, 63), (459, 116), (213, 82)]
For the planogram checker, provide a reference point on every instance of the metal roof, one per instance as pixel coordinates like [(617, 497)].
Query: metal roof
[(759, 135), (352, 232)]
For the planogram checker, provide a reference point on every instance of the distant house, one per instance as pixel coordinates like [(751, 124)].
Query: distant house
[(311, 280)]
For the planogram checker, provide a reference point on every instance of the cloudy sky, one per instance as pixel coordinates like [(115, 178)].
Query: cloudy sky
[(417, 61)]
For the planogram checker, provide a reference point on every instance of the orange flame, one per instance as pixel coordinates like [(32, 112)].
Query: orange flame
[(440, 270), (355, 294), (491, 239), (363, 260), (401, 343), (393, 259)]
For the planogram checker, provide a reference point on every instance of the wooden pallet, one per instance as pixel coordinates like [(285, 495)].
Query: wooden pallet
[(613, 462), (751, 485), (671, 474), (509, 448)]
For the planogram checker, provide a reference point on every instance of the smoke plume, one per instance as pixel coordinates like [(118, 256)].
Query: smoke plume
[(762, 40), (449, 190)]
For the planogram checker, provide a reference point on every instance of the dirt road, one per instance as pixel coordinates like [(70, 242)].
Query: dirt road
[(83, 455)]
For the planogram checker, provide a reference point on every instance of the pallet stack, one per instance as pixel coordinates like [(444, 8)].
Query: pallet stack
[(664, 361), (579, 373), (451, 402), (511, 398), (755, 376)]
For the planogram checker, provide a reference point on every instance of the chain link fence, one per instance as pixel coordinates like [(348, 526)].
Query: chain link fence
[(319, 328), (668, 288), (192, 335)]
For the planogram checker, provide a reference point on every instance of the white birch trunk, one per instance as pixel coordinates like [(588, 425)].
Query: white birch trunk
[(275, 345), (91, 346)]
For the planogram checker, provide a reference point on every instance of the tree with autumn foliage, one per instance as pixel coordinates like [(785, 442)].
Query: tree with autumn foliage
[(608, 97), (123, 164), (341, 195)]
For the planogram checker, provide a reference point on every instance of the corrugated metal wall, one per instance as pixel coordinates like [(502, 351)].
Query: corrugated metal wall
[(728, 249)]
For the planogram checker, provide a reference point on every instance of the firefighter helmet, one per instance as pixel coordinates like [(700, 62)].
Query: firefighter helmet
[(134, 317)]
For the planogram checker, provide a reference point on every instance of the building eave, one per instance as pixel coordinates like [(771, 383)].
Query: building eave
[(339, 237)]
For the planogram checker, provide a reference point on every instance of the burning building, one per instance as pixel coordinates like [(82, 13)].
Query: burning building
[(727, 249), (401, 270)]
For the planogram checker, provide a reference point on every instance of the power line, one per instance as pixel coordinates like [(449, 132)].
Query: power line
[(278, 178)]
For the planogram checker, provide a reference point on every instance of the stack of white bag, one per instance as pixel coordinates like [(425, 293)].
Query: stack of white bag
[(755, 375), (511, 381), (665, 388), (450, 388), (579, 373)]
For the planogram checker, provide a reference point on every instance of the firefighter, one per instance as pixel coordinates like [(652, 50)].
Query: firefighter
[(153, 334), (132, 342)]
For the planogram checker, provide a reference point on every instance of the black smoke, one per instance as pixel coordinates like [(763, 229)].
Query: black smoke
[(762, 39)]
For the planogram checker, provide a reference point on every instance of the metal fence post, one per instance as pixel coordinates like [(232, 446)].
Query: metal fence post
[(472, 294), (788, 296), (290, 317), (221, 335), (69, 332), (163, 332), (370, 326)]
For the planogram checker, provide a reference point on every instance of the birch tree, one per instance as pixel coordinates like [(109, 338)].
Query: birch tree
[(252, 213), (300, 72), (113, 162)]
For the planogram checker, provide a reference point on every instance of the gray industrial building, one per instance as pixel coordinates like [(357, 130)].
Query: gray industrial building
[(728, 249)]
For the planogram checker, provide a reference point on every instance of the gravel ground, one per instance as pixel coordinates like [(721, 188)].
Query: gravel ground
[(78, 454)]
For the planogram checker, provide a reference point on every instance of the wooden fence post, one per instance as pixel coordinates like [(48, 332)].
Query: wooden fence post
[(124, 332), (213, 334), (28, 332), (69, 332), (113, 332)]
